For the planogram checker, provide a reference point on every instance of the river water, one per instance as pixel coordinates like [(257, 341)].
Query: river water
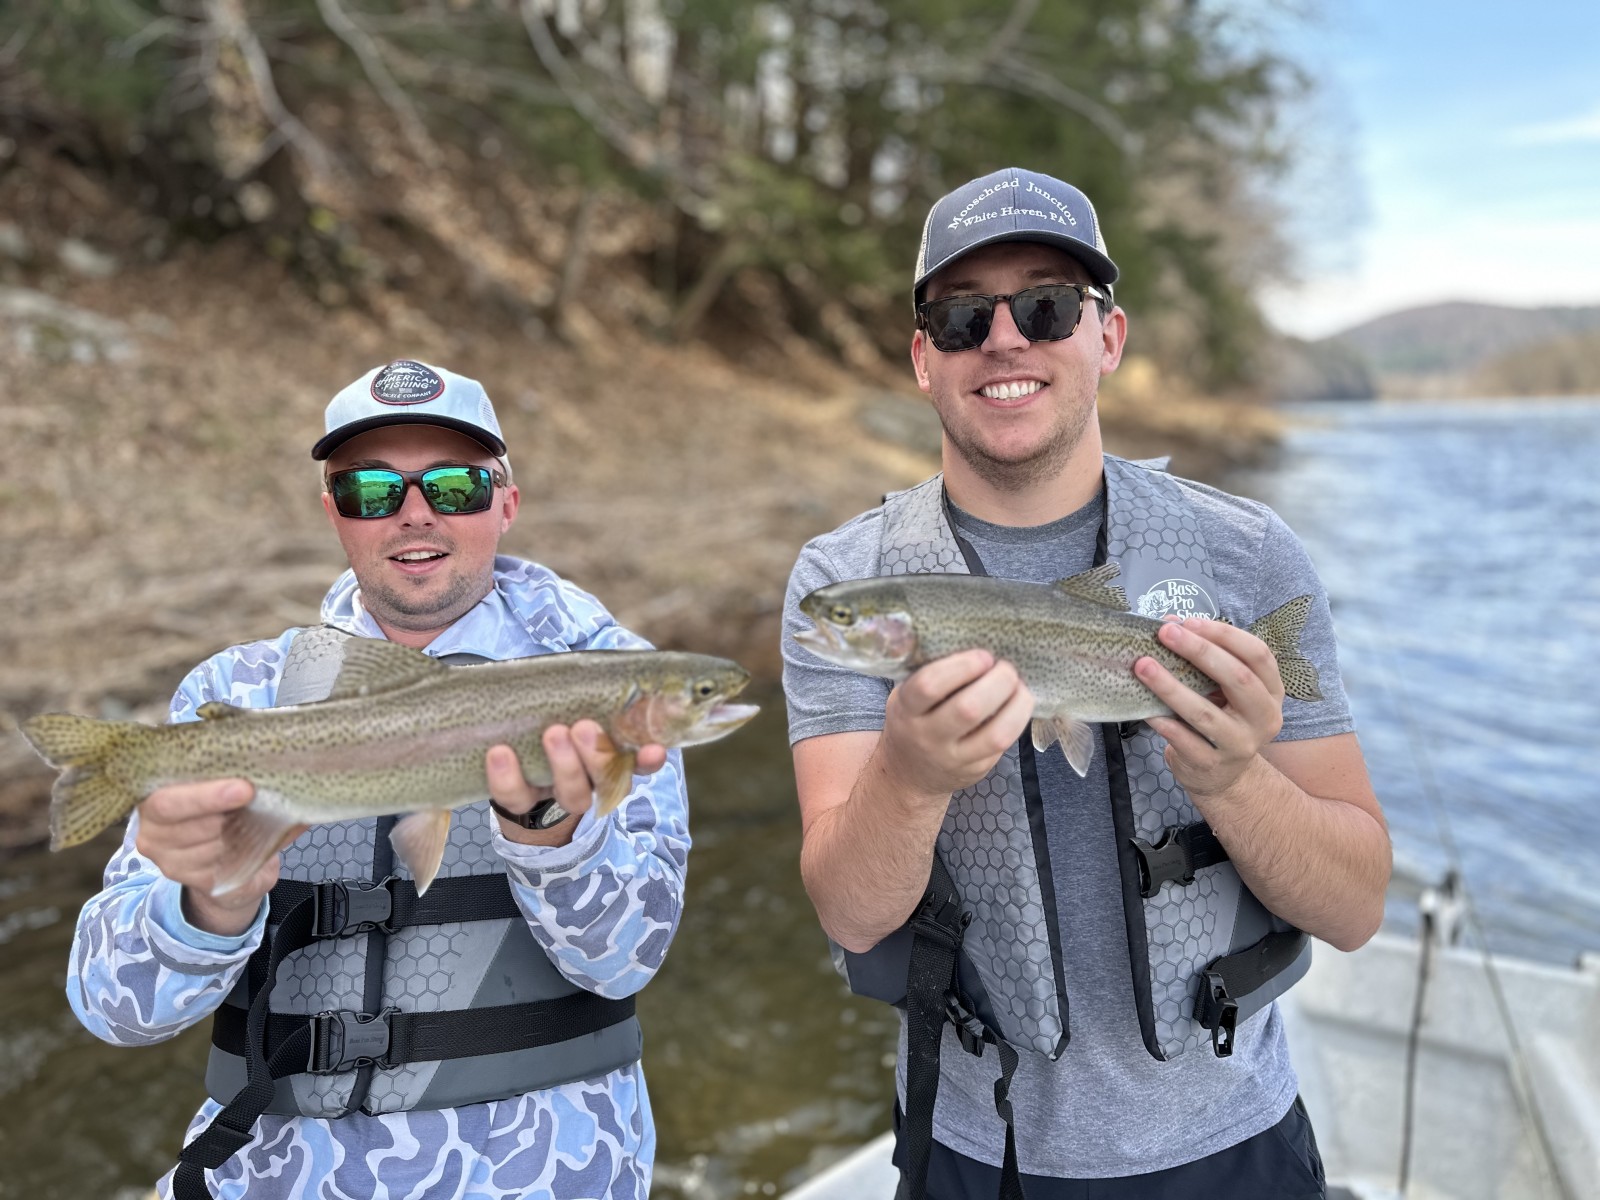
[(1461, 548)]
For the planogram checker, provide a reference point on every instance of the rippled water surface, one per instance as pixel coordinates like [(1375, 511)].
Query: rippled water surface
[(1461, 547)]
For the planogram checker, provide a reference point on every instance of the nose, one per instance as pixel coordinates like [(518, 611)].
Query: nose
[(414, 508), (1003, 332)]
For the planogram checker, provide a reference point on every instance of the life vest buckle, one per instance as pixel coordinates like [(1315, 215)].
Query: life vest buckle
[(972, 1032), (1168, 861), (346, 906), (344, 1040), (1218, 1012)]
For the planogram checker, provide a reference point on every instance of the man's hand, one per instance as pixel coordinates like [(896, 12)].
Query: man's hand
[(578, 756), (180, 831), (1212, 740), (947, 725)]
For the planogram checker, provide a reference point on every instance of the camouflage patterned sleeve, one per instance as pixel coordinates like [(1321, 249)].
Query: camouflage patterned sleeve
[(139, 973), (606, 905)]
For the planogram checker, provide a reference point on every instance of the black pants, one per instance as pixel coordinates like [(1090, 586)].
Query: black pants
[(1281, 1163)]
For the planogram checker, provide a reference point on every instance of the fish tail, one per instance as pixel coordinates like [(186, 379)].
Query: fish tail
[(1280, 629), (84, 799)]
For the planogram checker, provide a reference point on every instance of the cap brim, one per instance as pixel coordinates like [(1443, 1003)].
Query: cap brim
[(1101, 269), (344, 433)]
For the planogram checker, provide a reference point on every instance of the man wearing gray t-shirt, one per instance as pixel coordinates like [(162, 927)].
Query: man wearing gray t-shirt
[(1099, 953)]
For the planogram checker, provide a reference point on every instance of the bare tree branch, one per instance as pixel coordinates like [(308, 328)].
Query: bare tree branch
[(227, 18), (1021, 13), (640, 150), (366, 49)]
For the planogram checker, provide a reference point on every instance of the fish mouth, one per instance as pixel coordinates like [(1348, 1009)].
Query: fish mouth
[(820, 640), (718, 722)]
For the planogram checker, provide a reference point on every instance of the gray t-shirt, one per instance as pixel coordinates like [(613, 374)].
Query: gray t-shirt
[(1106, 1108)]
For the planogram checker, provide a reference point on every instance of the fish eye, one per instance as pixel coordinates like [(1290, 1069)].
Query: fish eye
[(705, 689), (842, 614)]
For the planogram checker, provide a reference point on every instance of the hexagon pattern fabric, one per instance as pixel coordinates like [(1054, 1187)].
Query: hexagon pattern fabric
[(985, 842)]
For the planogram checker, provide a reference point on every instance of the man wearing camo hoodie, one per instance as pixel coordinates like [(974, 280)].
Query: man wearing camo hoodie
[(477, 1043)]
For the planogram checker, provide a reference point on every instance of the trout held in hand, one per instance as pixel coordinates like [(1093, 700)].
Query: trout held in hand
[(1073, 642), (399, 733)]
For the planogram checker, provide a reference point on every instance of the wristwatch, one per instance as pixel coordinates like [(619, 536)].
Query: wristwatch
[(542, 815)]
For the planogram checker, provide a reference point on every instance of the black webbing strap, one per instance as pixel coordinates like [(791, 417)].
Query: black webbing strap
[(1176, 856), (937, 927), (1238, 974), (233, 1128), (933, 997), (340, 1041), (346, 906)]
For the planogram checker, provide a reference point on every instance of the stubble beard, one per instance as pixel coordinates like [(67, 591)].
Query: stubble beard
[(1020, 472), (416, 611)]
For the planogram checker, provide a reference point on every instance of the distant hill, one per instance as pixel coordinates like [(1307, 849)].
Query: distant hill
[(1453, 349), (1457, 337)]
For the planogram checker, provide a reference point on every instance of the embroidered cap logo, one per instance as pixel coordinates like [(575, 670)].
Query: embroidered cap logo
[(406, 382)]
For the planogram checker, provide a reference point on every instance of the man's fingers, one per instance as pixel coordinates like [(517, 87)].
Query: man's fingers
[(509, 787), (1004, 726), (570, 777), (181, 802), (1235, 658), (931, 685)]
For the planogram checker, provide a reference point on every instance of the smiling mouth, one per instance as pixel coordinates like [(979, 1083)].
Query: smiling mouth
[(1014, 390), (415, 557)]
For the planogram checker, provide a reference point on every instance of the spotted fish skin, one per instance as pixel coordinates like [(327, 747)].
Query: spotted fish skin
[(400, 733), (1072, 642)]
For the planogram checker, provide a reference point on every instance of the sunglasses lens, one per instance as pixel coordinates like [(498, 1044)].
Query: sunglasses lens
[(367, 493), (455, 490), (960, 322), (1047, 314)]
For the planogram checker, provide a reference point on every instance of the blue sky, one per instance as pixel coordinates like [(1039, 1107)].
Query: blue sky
[(1454, 154)]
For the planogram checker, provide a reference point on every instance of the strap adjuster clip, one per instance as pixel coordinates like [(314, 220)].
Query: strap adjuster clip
[(1168, 861), (945, 921), (346, 906), (343, 1040), (974, 1034), (1218, 1012)]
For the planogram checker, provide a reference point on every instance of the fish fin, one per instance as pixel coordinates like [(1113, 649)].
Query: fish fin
[(214, 710), (83, 800), (1077, 742), (419, 841), (1280, 629), (372, 665), (1095, 587), (250, 836), (1044, 733), (613, 786)]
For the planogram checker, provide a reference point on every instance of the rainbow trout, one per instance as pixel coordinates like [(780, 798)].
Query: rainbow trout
[(1073, 642), (399, 733)]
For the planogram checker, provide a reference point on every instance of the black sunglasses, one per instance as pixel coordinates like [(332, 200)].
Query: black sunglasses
[(1043, 314), (379, 492)]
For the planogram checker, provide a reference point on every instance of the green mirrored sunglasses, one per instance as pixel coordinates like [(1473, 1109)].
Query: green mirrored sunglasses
[(368, 492)]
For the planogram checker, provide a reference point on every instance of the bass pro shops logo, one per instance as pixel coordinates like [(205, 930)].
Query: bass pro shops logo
[(1178, 597)]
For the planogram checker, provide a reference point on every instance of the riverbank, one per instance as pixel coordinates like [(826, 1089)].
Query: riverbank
[(161, 502)]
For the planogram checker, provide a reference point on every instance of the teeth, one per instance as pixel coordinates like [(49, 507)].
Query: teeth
[(1010, 391), (417, 555)]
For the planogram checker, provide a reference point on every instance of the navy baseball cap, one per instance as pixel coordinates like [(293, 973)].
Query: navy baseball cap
[(407, 392), (1012, 205)]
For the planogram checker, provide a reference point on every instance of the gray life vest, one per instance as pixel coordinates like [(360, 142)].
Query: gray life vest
[(362, 978), (1204, 952)]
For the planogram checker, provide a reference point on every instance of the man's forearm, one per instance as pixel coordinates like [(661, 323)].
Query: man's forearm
[(866, 862), (1319, 863)]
